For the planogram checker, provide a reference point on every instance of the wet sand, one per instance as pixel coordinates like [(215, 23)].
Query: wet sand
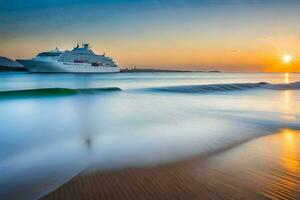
[(263, 168)]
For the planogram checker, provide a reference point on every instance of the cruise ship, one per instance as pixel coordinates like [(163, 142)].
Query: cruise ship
[(81, 59)]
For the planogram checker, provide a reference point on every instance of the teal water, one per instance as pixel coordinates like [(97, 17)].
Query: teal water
[(54, 126)]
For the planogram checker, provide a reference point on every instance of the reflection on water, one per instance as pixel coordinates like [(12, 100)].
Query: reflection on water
[(290, 155), (287, 101), (286, 78), (269, 166), (17, 81), (288, 106), (284, 182), (47, 141)]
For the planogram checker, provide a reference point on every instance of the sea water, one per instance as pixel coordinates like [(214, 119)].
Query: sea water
[(54, 126)]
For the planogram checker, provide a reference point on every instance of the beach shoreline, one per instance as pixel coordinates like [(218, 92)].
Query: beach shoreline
[(216, 176)]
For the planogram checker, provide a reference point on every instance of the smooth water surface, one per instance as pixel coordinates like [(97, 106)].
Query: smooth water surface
[(112, 121)]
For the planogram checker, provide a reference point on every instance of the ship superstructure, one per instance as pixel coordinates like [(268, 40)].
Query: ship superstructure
[(81, 59)]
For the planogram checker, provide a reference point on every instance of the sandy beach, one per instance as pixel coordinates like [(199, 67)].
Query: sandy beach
[(263, 168), (150, 100), (149, 136)]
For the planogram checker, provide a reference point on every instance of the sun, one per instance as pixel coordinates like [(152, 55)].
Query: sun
[(287, 58)]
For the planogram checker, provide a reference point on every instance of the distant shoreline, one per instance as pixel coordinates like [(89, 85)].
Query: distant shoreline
[(164, 70), (11, 69), (211, 176)]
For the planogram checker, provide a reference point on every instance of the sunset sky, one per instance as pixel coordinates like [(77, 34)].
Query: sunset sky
[(232, 35)]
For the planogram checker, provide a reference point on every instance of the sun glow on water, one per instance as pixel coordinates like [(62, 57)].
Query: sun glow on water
[(286, 78)]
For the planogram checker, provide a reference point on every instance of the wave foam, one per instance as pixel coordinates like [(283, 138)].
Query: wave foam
[(286, 86), (227, 87), (211, 88)]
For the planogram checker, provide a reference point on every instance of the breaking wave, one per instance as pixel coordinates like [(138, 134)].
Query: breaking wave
[(45, 92), (287, 86), (227, 87)]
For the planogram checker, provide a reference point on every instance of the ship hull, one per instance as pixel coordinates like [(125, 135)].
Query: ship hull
[(60, 67)]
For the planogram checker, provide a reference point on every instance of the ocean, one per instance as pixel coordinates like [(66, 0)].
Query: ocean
[(55, 126)]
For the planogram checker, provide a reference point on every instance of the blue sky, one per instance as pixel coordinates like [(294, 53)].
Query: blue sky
[(23, 4), (178, 33)]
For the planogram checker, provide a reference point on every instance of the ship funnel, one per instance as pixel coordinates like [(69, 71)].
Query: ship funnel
[(85, 45)]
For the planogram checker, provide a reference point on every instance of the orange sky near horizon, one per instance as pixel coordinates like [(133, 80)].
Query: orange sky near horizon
[(256, 55), (229, 37)]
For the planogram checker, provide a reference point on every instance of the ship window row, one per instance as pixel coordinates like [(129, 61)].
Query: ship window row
[(92, 64), (72, 58), (44, 54)]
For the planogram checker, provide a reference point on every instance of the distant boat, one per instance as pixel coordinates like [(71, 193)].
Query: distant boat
[(81, 59), (7, 64)]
